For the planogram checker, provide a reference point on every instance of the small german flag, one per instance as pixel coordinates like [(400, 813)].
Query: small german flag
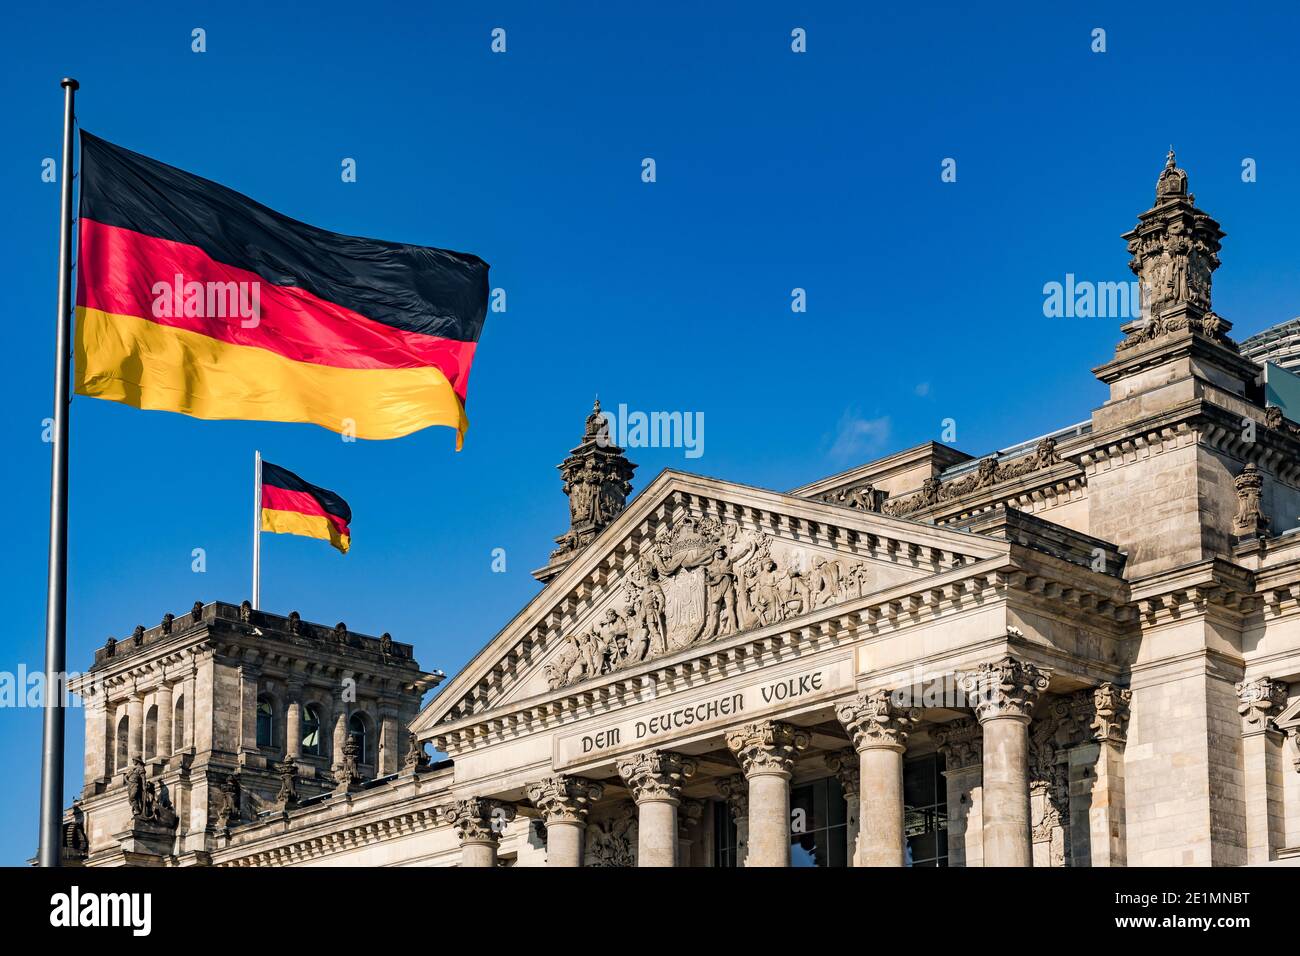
[(193, 298), (293, 506)]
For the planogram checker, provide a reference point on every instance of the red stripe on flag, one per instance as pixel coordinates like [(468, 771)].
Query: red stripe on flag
[(118, 271), (281, 499)]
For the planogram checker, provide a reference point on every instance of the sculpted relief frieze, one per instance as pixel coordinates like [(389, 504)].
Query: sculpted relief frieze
[(702, 580), (989, 472)]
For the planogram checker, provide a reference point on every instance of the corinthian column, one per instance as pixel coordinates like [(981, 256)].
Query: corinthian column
[(135, 725), (478, 824), (766, 753), (735, 790), (844, 764), (655, 778), (1003, 695), (162, 744), (879, 729), (1259, 701), (961, 743), (564, 802), (293, 723)]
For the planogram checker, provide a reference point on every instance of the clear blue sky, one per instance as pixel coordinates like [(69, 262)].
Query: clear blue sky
[(775, 171)]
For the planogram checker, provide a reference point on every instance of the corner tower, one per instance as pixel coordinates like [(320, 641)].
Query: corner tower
[(1181, 393), (226, 716)]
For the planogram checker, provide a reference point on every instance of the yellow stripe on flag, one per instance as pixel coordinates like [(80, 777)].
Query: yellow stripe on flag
[(309, 526), (124, 358)]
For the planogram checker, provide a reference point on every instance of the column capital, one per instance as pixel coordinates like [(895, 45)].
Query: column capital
[(656, 775), (1259, 701), (768, 746), (848, 770), (1006, 688), (735, 790), (874, 720), (564, 799), (961, 743), (1110, 710), (477, 819), (689, 817)]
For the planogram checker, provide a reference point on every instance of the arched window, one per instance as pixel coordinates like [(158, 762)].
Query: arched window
[(311, 730), (358, 730), (123, 744), (178, 725), (151, 733), (265, 723)]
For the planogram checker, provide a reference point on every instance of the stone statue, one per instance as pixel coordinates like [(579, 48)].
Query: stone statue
[(136, 792), (416, 758), (163, 813), (349, 774), (1250, 518), (229, 802), (287, 798), (720, 597), (827, 586)]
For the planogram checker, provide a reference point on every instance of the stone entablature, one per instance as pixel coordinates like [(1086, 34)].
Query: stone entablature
[(877, 614), (987, 473), (1197, 422), (403, 809), (893, 476), (1215, 584), (1041, 478)]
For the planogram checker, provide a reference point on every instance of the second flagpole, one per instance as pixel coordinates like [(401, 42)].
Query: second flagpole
[(257, 530)]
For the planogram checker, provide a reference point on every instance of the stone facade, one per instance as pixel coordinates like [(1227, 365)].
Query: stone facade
[(1094, 635)]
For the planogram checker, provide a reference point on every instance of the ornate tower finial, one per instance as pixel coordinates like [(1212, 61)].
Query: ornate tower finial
[(597, 478), (1175, 249)]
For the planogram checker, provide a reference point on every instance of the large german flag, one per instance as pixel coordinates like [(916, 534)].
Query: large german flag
[(293, 506), (193, 298)]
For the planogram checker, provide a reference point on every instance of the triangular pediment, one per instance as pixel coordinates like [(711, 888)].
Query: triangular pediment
[(691, 562)]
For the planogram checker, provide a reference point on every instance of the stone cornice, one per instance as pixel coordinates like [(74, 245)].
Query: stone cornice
[(882, 613), (1058, 480), (1199, 421), (1027, 496), (408, 805), (1195, 589), (940, 457), (350, 837), (1177, 344), (254, 639)]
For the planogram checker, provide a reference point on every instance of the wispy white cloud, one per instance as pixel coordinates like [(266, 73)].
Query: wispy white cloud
[(857, 437)]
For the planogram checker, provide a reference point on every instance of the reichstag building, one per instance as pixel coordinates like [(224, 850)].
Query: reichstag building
[(1082, 650)]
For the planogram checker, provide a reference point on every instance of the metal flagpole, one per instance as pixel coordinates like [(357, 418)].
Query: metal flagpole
[(56, 601), (257, 530)]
